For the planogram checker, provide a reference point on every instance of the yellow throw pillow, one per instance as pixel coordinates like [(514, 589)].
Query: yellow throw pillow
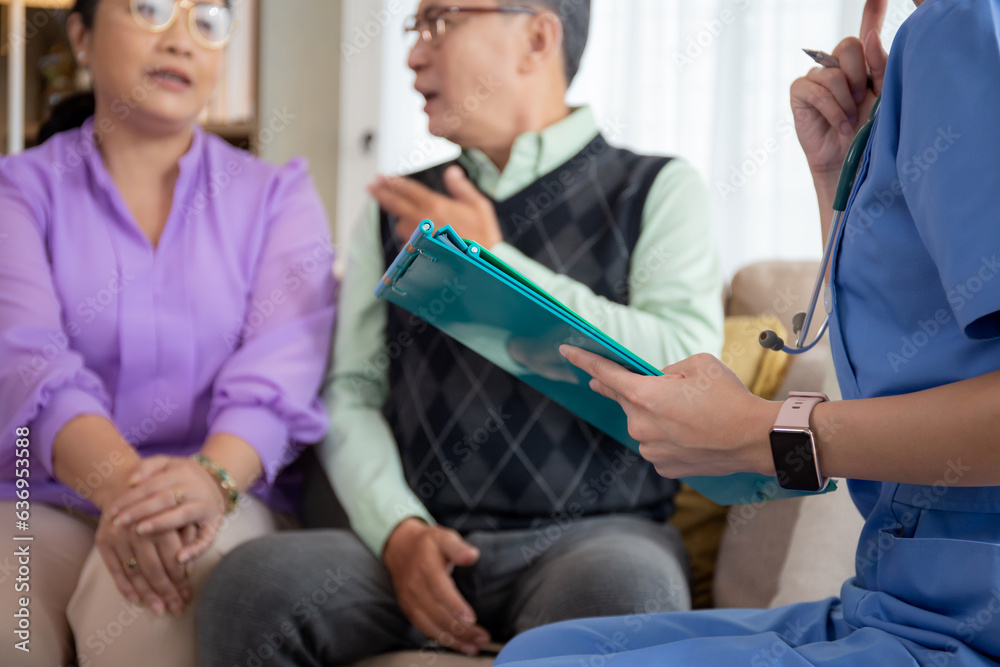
[(762, 371)]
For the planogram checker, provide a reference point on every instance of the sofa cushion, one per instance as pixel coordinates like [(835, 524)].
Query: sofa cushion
[(425, 658), (787, 551)]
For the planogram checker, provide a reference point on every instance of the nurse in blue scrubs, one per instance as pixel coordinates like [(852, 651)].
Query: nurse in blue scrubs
[(915, 333)]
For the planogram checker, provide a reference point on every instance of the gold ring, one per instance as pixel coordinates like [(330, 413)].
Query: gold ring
[(178, 496), (131, 563)]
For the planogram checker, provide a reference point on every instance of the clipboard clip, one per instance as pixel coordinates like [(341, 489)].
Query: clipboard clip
[(391, 284), (411, 249)]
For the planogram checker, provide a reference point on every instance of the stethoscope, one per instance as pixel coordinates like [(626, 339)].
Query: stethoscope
[(803, 320)]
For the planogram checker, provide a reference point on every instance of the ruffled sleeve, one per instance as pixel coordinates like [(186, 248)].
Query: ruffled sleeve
[(43, 380)]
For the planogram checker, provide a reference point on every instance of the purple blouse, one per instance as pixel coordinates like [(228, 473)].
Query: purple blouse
[(223, 327)]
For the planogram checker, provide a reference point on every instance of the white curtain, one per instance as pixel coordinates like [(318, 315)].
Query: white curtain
[(707, 81)]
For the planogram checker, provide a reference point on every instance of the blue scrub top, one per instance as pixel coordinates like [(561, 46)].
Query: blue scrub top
[(916, 304), (916, 300)]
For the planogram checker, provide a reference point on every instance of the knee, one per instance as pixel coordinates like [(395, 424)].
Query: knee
[(647, 581), (624, 578), (251, 575), (245, 565), (282, 576)]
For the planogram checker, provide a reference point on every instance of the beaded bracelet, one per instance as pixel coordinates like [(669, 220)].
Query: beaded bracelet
[(225, 480)]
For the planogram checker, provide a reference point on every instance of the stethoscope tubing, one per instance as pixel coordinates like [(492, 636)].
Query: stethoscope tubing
[(848, 179)]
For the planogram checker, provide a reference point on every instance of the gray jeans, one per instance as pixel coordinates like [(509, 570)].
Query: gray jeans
[(319, 598)]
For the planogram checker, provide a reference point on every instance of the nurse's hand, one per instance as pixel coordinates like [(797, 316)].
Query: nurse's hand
[(698, 419), (831, 104)]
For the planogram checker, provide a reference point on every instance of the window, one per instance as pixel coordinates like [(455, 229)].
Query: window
[(707, 81)]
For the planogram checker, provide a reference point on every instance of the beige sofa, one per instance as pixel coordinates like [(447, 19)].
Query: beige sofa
[(769, 554)]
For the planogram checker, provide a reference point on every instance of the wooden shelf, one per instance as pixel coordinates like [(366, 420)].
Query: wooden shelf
[(237, 92)]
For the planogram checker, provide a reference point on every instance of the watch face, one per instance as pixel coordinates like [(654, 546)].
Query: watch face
[(794, 461)]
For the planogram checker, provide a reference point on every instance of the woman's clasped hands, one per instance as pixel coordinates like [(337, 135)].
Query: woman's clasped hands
[(166, 513)]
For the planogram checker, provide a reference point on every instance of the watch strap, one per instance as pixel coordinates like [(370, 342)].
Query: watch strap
[(794, 413)]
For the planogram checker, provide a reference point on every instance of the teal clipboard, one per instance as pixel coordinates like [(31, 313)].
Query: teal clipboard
[(468, 293)]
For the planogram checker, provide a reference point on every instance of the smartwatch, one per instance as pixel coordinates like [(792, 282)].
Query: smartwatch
[(793, 445)]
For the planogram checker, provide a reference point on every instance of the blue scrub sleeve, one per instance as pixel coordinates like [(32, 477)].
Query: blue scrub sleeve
[(949, 154)]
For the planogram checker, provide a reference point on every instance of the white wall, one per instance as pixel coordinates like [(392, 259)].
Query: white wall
[(299, 102)]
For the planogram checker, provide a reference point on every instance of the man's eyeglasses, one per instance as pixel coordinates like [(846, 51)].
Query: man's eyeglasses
[(432, 25), (211, 25)]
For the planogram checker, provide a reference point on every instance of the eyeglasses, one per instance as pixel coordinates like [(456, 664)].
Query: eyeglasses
[(432, 25), (211, 25)]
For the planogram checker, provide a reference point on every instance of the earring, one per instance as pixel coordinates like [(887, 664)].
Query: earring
[(80, 56)]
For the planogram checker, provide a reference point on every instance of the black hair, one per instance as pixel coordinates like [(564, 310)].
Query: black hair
[(86, 9), (73, 110), (68, 113), (575, 17)]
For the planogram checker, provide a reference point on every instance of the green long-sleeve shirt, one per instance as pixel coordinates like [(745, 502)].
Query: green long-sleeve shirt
[(675, 310)]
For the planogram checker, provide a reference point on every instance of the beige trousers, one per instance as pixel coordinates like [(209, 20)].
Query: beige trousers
[(73, 606)]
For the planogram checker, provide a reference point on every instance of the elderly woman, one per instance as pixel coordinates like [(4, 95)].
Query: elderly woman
[(166, 303)]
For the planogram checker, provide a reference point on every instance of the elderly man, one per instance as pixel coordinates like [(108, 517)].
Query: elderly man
[(480, 509)]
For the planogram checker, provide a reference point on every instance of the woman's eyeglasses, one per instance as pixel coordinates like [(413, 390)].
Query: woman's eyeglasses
[(432, 25), (211, 24)]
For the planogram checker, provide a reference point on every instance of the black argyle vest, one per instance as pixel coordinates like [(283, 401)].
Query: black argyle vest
[(481, 449)]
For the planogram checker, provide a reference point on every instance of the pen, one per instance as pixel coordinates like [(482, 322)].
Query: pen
[(826, 60)]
